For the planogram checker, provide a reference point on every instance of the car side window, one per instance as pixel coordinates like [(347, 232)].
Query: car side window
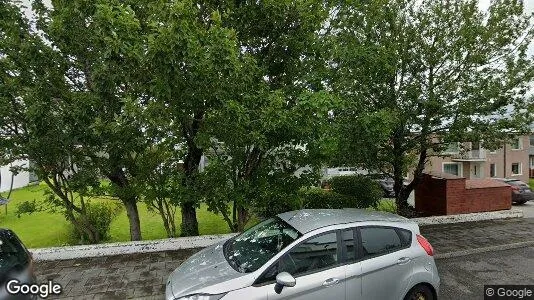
[(310, 256), (406, 237), (380, 240)]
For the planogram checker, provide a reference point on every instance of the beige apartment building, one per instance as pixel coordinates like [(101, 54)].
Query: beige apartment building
[(471, 160)]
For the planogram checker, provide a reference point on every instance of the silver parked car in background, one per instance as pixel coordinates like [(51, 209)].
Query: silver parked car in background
[(314, 254)]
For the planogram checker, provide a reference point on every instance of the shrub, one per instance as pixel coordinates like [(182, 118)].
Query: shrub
[(100, 215), (27, 207), (271, 206), (319, 198), (362, 191)]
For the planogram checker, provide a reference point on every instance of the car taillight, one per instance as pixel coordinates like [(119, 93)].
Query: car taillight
[(515, 188), (425, 244)]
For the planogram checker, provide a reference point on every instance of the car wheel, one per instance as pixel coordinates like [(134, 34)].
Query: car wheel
[(420, 292), (520, 202)]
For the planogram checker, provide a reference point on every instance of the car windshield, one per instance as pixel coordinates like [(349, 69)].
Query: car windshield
[(12, 252), (253, 248)]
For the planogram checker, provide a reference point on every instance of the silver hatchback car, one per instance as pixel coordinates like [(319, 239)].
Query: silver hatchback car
[(314, 254)]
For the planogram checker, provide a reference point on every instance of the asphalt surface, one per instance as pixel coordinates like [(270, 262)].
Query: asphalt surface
[(464, 277), (527, 208), (143, 276)]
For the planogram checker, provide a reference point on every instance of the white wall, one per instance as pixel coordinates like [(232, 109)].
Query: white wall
[(22, 179), (341, 171)]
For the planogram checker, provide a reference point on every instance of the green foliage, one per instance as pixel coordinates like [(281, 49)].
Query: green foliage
[(274, 201), (413, 77), (347, 192), (268, 140), (100, 215), (361, 191), (387, 205), (316, 198), (27, 207)]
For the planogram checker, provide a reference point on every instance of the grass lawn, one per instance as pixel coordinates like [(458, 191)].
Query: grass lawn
[(45, 229), (531, 183)]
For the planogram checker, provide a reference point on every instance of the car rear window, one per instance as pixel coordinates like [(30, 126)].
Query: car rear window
[(380, 240), (406, 237)]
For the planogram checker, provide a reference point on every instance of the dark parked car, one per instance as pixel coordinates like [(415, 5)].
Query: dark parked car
[(387, 183), (16, 263), (521, 192), (387, 187)]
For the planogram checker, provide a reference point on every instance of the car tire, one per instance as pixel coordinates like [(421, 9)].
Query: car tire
[(420, 292), (520, 202)]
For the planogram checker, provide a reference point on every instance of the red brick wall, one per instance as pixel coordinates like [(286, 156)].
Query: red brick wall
[(437, 196), (430, 196)]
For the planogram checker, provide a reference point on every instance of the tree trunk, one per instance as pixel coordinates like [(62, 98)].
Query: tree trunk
[(401, 199), (170, 209), (130, 203), (133, 218), (164, 218), (242, 218), (189, 225), (403, 193)]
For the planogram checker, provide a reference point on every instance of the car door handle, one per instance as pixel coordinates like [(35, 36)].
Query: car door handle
[(403, 260), (330, 282)]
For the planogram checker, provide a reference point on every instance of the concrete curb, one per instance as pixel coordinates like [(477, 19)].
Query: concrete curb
[(88, 251), (110, 249), (484, 249), (473, 217)]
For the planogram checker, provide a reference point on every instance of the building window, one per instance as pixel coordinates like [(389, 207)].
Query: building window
[(452, 168), (452, 148), (532, 162), (516, 169), (532, 141), (517, 144), (493, 170)]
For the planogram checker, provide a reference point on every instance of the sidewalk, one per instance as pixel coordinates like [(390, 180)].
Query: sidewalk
[(143, 276)]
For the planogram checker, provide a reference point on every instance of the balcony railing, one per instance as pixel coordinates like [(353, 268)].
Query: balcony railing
[(471, 155)]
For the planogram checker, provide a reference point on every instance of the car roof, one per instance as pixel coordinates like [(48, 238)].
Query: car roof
[(507, 180), (307, 220)]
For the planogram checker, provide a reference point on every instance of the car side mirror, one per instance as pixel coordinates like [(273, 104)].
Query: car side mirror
[(284, 279)]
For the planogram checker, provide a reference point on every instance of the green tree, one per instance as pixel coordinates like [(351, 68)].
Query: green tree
[(416, 75), (100, 45), (162, 175), (266, 143), (261, 153), (193, 67), (35, 124)]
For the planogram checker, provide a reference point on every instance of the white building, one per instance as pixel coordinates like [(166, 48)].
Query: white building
[(22, 179)]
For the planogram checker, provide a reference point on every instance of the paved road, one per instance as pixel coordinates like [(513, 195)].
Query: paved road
[(138, 276), (527, 208), (464, 277), (143, 276)]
